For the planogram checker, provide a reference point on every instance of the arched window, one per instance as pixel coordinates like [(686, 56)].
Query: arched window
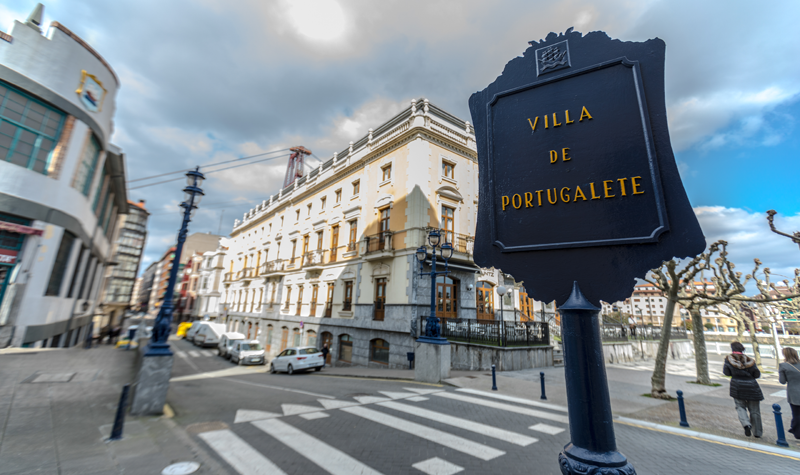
[(446, 297), (379, 351), (311, 338), (268, 343), (284, 338), (484, 295), (345, 348), (296, 337)]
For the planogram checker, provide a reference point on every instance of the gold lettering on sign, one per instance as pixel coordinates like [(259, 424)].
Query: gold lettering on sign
[(594, 195), (553, 156), (528, 199), (579, 192), (567, 121), (564, 156), (607, 189), (539, 194), (564, 193), (505, 202), (516, 201), (565, 200), (635, 185), (555, 121), (566, 113), (622, 185), (533, 124), (584, 113)]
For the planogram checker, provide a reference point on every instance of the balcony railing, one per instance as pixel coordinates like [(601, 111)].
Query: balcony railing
[(347, 306), (494, 333), (463, 243), (622, 333), (229, 276), (328, 310), (379, 242), (314, 258), (246, 273), (271, 266)]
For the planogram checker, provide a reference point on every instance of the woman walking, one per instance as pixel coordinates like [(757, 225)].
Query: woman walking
[(745, 391), (790, 374)]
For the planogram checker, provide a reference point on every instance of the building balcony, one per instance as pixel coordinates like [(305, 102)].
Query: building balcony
[(378, 246), (272, 266), (463, 244), (229, 277), (314, 258), (247, 273)]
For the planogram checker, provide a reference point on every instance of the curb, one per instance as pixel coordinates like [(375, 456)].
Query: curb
[(710, 437)]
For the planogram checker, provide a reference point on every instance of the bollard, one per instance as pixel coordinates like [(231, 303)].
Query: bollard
[(119, 420), (494, 380), (776, 408), (682, 408), (541, 377)]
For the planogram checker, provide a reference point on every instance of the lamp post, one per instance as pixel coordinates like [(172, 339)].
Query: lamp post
[(192, 195), (501, 291), (432, 327)]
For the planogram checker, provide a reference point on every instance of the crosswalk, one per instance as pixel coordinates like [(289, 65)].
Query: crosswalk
[(415, 412), (195, 353)]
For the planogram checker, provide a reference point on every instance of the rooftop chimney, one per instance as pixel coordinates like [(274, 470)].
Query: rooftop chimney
[(35, 18)]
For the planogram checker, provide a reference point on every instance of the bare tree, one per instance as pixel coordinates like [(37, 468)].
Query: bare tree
[(795, 237)]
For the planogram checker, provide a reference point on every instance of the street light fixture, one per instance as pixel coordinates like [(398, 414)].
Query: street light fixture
[(432, 327), (192, 195)]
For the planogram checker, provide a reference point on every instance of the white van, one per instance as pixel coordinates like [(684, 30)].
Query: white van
[(192, 331), (208, 334), (226, 342)]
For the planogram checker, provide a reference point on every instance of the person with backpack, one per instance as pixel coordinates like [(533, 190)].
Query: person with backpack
[(745, 391)]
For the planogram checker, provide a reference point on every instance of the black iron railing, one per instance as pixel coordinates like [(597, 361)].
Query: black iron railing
[(379, 242), (492, 332), (616, 332)]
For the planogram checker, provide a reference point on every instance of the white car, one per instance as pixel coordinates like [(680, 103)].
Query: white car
[(226, 342), (248, 352), (298, 359), (208, 334)]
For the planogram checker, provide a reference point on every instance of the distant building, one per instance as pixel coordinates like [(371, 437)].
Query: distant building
[(142, 304), (209, 293), (120, 278), (62, 183)]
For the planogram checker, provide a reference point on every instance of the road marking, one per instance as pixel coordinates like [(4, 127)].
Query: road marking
[(417, 399), (483, 452), (239, 454), (370, 399), (437, 466), (222, 373), (394, 395), (518, 400), (294, 409), (483, 429), (326, 457), (335, 404), (506, 407), (282, 389), (247, 415), (194, 354), (546, 429), (781, 393), (182, 354), (314, 415), (207, 352), (424, 391)]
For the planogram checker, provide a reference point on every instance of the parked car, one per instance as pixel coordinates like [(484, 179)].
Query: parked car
[(208, 334), (192, 331), (298, 359), (248, 352), (182, 328), (226, 342)]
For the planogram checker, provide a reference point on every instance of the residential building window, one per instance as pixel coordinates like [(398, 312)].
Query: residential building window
[(380, 299), (308, 208), (379, 351), (347, 305), (338, 195), (386, 173), (351, 244), (314, 294), (319, 240), (29, 130), (446, 297), (334, 242), (322, 203), (329, 301), (87, 166), (294, 250), (299, 300), (384, 222), (296, 337), (268, 343), (284, 338), (272, 295), (305, 248), (485, 295), (356, 187), (311, 338), (60, 264), (288, 297), (448, 223), (345, 348), (448, 170), (282, 221), (297, 215)]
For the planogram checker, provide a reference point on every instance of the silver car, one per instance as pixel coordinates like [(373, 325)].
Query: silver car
[(248, 352), (297, 359)]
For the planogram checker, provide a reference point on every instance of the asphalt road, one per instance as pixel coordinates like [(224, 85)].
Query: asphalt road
[(253, 422)]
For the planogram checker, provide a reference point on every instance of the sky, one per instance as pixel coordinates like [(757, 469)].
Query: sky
[(204, 81)]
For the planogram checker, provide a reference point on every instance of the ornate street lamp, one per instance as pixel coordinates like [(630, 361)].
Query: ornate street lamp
[(433, 331), (192, 195)]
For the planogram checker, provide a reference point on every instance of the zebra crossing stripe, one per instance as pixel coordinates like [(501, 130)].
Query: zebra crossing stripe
[(518, 400), (207, 353), (183, 354), (483, 429), (194, 354), (437, 466), (454, 442), (505, 407), (239, 454), (326, 457)]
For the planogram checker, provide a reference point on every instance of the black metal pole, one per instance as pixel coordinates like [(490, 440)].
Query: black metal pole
[(494, 380), (682, 409), (541, 378), (119, 420), (776, 408), (593, 447)]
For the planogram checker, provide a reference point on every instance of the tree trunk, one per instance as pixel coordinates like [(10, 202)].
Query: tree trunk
[(658, 381), (751, 327), (700, 356)]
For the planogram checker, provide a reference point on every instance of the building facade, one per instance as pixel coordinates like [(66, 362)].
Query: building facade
[(209, 292), (62, 183), (127, 252)]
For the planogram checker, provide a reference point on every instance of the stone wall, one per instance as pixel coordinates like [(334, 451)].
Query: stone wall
[(472, 357), (628, 352)]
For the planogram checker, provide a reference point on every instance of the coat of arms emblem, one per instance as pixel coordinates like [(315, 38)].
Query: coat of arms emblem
[(552, 58), (91, 92)]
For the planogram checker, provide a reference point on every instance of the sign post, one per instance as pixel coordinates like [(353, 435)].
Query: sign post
[(578, 177)]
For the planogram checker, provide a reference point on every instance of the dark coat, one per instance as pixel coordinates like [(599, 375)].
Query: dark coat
[(743, 372)]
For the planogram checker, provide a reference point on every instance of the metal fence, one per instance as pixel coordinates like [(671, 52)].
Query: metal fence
[(615, 332), (492, 332)]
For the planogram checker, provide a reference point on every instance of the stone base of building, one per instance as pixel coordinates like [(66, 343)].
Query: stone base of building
[(431, 362), (152, 384), (472, 357)]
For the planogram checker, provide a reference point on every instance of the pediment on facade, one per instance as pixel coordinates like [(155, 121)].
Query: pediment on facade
[(384, 200), (449, 192), (381, 270), (352, 212), (319, 224)]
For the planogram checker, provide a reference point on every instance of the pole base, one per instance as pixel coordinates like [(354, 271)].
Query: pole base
[(613, 463)]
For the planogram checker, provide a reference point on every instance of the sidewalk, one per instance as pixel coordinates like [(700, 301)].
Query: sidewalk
[(708, 409), (57, 408)]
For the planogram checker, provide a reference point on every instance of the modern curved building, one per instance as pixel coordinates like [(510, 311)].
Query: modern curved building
[(62, 183)]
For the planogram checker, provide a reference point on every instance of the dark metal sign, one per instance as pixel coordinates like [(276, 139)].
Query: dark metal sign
[(578, 180)]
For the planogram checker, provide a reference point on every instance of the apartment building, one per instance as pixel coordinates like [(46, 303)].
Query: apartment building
[(209, 292)]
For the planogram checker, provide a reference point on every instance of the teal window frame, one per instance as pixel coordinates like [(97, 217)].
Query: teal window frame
[(20, 125), (91, 167)]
